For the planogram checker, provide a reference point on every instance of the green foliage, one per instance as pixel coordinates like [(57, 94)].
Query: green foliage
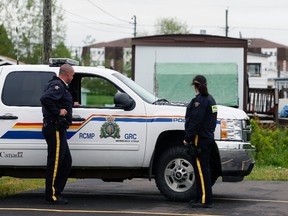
[(271, 145), (99, 100), (98, 86), (6, 45), (61, 51), (171, 26), (86, 55), (127, 68), (23, 21)]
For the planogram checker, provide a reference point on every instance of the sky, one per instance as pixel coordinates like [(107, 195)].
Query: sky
[(108, 20)]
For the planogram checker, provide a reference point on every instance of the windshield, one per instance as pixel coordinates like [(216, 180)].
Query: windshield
[(141, 92)]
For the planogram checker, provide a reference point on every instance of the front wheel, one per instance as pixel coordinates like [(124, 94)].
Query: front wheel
[(175, 174)]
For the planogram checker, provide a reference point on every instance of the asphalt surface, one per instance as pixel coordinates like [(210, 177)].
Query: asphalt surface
[(141, 197)]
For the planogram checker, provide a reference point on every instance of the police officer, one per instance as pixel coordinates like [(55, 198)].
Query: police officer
[(57, 105), (200, 123)]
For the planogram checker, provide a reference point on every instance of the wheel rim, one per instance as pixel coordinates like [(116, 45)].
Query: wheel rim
[(179, 175)]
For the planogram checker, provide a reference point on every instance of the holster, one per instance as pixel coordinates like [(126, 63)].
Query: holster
[(61, 123), (194, 151)]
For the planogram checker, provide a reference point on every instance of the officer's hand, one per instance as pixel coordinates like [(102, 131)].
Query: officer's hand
[(63, 112), (184, 142), (76, 104)]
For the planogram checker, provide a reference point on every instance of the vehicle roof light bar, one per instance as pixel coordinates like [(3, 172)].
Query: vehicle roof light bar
[(57, 62)]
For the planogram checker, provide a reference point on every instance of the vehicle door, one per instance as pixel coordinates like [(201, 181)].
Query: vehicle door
[(101, 133)]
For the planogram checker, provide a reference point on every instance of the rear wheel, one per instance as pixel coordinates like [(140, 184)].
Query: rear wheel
[(175, 174)]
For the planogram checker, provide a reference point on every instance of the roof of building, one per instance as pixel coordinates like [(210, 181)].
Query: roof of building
[(125, 43), (258, 54), (263, 43), (189, 40), (4, 60)]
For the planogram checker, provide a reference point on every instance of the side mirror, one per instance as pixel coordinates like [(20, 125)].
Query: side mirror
[(123, 101)]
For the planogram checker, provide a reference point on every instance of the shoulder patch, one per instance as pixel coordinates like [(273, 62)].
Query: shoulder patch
[(196, 104), (214, 108), (57, 87)]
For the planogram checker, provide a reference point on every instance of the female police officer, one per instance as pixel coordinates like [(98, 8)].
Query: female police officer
[(200, 123)]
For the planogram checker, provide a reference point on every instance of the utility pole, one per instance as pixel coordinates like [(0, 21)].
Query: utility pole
[(226, 27), (134, 23), (47, 30), (17, 45)]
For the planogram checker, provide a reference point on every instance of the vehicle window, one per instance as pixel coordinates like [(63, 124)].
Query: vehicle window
[(141, 92), (97, 92), (24, 88)]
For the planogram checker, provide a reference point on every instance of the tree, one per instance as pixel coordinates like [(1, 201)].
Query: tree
[(171, 26), (61, 51), (26, 16), (6, 45), (86, 55)]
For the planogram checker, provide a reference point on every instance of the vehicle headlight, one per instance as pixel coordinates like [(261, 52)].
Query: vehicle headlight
[(231, 129)]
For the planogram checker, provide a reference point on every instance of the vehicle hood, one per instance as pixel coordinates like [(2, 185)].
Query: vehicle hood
[(230, 113), (223, 111)]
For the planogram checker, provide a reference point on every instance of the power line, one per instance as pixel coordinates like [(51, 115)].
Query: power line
[(98, 29), (242, 27), (93, 21), (262, 28), (108, 13)]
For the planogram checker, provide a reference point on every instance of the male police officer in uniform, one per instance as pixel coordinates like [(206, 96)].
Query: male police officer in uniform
[(57, 105), (200, 123)]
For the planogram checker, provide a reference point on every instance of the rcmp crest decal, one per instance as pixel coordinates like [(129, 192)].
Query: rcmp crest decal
[(110, 129)]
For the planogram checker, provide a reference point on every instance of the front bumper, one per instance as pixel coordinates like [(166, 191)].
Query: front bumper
[(237, 162)]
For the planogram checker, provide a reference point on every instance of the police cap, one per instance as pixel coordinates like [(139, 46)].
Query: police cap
[(199, 80)]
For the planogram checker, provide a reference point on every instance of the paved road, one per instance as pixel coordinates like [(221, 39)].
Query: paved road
[(141, 197)]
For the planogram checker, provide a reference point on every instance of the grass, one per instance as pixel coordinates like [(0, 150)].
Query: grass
[(268, 173), (99, 100), (10, 186)]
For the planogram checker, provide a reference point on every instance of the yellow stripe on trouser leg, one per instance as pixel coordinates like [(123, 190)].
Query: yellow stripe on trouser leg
[(200, 173), (56, 164)]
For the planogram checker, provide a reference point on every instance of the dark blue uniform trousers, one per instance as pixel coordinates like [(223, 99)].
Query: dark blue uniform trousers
[(202, 170), (59, 161)]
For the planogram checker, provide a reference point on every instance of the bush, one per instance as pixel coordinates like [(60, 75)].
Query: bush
[(271, 145)]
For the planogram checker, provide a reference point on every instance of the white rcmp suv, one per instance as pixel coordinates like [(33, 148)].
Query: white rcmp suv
[(119, 132)]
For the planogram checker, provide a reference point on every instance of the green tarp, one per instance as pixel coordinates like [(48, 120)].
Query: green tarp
[(174, 81)]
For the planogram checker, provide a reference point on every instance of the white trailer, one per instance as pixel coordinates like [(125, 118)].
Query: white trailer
[(166, 64)]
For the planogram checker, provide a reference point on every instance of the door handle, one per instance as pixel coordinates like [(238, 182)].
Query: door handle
[(78, 118), (8, 116)]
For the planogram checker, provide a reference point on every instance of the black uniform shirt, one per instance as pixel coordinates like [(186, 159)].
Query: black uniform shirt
[(56, 96), (201, 118)]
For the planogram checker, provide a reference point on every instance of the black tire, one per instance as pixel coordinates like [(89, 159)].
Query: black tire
[(174, 175)]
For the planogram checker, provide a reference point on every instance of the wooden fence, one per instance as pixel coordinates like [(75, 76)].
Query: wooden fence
[(265, 104), (262, 101)]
